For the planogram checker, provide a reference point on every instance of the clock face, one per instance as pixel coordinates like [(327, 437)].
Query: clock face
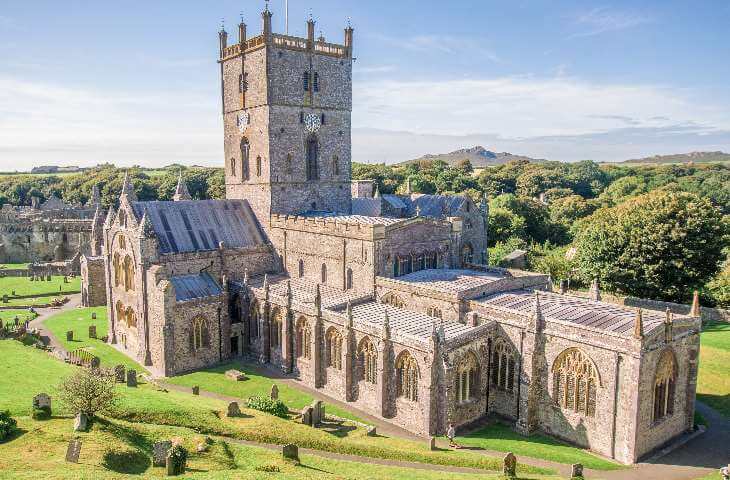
[(243, 120), (312, 122)]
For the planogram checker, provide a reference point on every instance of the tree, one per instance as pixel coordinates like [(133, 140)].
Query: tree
[(505, 224), (659, 245), (88, 391)]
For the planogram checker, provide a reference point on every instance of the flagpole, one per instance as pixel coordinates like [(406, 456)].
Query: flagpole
[(286, 16)]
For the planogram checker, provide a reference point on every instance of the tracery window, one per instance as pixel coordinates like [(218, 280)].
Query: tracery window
[(503, 366), (405, 265), (664, 386), (407, 376), (467, 253), (130, 317), (431, 260), (200, 337), (393, 300), (435, 312), (276, 328), (368, 361), (575, 382), (304, 339), (333, 345), (117, 270), (254, 320), (467, 378), (128, 273)]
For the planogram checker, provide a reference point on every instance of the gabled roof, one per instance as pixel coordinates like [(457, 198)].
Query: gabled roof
[(366, 206), (435, 205), (199, 225), (199, 285)]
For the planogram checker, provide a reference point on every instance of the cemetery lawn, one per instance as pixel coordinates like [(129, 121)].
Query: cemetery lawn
[(113, 448), (78, 321), (37, 292), (214, 380), (502, 438), (713, 383), (14, 266), (10, 314)]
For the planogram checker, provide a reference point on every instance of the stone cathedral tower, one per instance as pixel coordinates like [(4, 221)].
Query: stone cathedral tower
[(287, 103)]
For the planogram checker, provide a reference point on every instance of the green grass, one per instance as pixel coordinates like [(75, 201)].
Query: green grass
[(8, 316), (42, 292), (79, 320), (214, 380), (502, 438), (14, 266), (713, 382)]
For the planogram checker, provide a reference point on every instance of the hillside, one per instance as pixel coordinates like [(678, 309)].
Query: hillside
[(696, 157), (478, 156)]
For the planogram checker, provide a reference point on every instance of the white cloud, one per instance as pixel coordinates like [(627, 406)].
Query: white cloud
[(603, 19), (474, 48)]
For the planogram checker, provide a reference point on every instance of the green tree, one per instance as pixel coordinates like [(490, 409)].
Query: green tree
[(505, 224), (659, 245)]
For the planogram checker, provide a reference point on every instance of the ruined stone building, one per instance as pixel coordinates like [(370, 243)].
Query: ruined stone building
[(382, 301)]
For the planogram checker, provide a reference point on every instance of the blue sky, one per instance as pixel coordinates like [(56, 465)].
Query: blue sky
[(136, 82)]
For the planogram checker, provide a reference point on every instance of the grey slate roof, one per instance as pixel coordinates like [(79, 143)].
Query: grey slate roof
[(360, 219), (198, 225), (437, 206), (303, 291), (366, 206), (450, 280), (198, 285), (580, 311), (395, 201)]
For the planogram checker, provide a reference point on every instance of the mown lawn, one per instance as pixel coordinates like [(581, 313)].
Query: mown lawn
[(42, 292), (502, 438), (78, 320), (214, 380), (8, 316), (14, 266), (713, 383)]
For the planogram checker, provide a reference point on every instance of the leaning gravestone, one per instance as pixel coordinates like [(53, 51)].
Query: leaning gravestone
[(290, 452), (234, 410), (81, 422), (307, 415), (159, 453), (576, 470), (73, 451), (131, 378), (509, 467), (70, 336), (92, 331), (119, 373), (274, 392)]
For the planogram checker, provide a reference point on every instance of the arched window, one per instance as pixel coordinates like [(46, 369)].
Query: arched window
[(419, 262), (333, 345), (276, 328), (432, 260), (312, 154), (575, 381), (304, 339), (305, 81), (335, 165), (664, 385), (315, 82), (233, 166), (120, 312), (258, 166), (117, 271), (405, 264), (254, 320), (392, 299), (467, 253), (467, 378), (348, 279), (368, 361), (130, 317), (407, 376), (128, 273), (200, 338), (122, 243), (323, 275), (301, 268), (435, 312), (245, 153), (503, 366)]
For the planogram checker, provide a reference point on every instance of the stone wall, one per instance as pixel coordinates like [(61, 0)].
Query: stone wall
[(93, 281)]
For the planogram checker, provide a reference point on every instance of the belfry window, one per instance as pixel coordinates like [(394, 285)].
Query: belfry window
[(245, 151), (315, 82), (305, 81), (312, 154)]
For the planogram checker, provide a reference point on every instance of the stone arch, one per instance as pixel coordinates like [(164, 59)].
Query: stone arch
[(199, 334), (276, 322), (575, 382), (467, 253), (367, 359), (502, 365), (253, 319), (407, 376), (333, 348), (392, 299), (304, 338), (665, 380), (467, 378), (435, 312)]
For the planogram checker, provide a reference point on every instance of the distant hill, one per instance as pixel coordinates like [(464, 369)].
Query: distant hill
[(478, 156), (696, 157)]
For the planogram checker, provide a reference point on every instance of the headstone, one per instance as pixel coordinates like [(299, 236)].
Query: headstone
[(131, 377), (372, 431), (93, 315), (307, 415), (16, 320), (13, 293), (81, 422), (48, 278), (196, 390), (5, 298), (274, 392), (70, 336), (236, 375), (576, 470), (159, 453), (509, 465), (92, 331), (290, 452), (563, 287), (42, 400), (73, 451), (317, 410), (95, 362), (175, 460), (119, 373), (432, 443), (234, 410)]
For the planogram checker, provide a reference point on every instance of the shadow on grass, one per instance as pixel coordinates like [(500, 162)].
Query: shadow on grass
[(130, 462), (19, 432), (126, 434)]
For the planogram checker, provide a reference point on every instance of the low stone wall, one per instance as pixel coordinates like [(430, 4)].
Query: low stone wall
[(14, 272), (708, 314)]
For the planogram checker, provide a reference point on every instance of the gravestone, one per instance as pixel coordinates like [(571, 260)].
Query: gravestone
[(235, 375), (73, 451), (5, 298), (290, 452), (12, 293), (48, 278), (92, 331), (81, 422), (432, 443), (175, 460), (196, 390), (95, 363), (274, 392), (1, 323), (131, 377), (42, 400), (16, 320), (509, 465), (234, 410), (576, 470), (317, 412), (70, 336), (372, 431), (307, 415), (563, 287), (159, 453), (120, 373), (93, 315)]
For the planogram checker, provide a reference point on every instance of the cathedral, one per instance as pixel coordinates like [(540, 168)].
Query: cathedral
[(382, 301)]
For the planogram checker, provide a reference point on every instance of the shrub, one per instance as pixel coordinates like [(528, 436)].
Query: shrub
[(41, 413), (273, 407), (268, 468), (8, 425), (89, 391)]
